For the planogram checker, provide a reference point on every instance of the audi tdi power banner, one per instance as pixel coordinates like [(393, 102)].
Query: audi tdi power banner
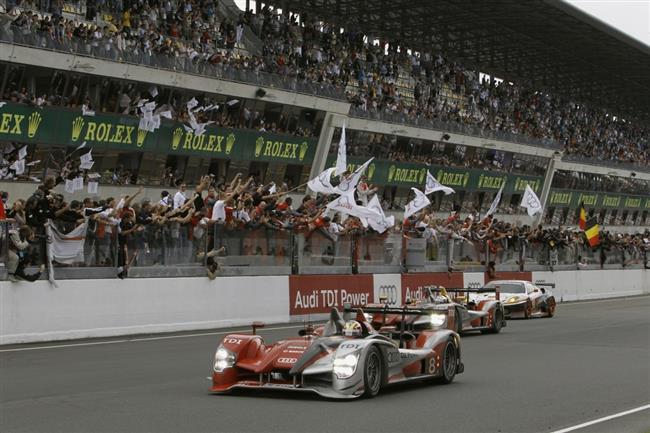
[(413, 285), (311, 294)]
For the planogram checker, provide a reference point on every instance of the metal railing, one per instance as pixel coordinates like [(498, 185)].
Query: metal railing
[(605, 162), (426, 123), (199, 65), (164, 250)]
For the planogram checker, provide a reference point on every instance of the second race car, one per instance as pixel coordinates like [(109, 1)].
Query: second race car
[(523, 299)]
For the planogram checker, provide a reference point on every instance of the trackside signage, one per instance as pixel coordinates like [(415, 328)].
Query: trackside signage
[(414, 285), (311, 294)]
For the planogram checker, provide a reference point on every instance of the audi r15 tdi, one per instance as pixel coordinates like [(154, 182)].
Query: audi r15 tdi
[(342, 359)]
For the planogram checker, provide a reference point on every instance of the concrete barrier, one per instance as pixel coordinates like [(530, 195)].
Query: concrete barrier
[(31, 312), (34, 312)]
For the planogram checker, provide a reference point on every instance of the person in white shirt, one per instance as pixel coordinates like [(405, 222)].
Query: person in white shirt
[(179, 197), (164, 199)]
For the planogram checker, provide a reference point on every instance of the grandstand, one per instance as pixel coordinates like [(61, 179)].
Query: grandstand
[(479, 96)]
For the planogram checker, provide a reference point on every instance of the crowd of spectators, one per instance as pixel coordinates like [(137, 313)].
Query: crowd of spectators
[(379, 78), (194, 226)]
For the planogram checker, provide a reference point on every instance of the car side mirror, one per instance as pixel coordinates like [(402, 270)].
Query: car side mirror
[(258, 325)]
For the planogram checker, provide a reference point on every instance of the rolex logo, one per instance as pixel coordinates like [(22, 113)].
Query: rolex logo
[(142, 135), (391, 173), (371, 171), (258, 146), (230, 142), (77, 126), (176, 137), (35, 120), (303, 150)]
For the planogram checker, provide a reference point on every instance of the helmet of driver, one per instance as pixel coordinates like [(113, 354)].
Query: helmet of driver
[(352, 328)]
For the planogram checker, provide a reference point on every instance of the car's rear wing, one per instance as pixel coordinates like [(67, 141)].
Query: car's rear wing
[(551, 285)]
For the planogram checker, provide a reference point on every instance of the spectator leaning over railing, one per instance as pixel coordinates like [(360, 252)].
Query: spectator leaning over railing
[(18, 254)]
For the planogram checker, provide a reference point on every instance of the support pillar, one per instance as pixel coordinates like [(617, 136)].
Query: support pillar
[(323, 148), (546, 187)]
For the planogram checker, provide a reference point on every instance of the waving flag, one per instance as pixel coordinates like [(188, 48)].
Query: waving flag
[(321, 183), (495, 203), (582, 222), (592, 232), (347, 204), (349, 183), (341, 158), (433, 185), (531, 202), (418, 203)]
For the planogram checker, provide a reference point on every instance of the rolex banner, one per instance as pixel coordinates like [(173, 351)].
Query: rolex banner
[(58, 126)]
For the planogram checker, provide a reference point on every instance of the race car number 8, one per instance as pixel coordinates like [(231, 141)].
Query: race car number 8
[(432, 365)]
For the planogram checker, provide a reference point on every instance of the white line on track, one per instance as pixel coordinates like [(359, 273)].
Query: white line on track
[(133, 340), (603, 419)]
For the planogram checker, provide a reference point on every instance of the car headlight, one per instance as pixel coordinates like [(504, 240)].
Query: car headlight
[(223, 359), (512, 300), (438, 319), (346, 366)]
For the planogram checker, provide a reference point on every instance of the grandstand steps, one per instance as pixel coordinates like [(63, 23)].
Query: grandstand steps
[(251, 43)]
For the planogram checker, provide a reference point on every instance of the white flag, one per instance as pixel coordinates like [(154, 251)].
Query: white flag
[(22, 152), (69, 186), (349, 183), (86, 157), (321, 183), (347, 205), (78, 183), (273, 189), (382, 223), (495, 203), (86, 165), (67, 248), (81, 146), (341, 158), (93, 187), (418, 203), (86, 111), (433, 185), (531, 202), (18, 166)]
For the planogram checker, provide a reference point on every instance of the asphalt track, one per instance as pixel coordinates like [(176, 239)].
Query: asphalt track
[(590, 361)]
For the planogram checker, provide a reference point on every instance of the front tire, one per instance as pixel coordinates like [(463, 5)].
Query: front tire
[(449, 362), (528, 310), (372, 373)]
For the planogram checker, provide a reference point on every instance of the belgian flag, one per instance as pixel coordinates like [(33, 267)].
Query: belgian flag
[(582, 222), (592, 232)]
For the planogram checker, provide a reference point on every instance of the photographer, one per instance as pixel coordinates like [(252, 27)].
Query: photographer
[(18, 257)]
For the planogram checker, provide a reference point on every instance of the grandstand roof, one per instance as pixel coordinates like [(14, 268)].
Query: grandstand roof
[(547, 42)]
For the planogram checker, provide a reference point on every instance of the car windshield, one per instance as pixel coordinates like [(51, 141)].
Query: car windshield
[(507, 287)]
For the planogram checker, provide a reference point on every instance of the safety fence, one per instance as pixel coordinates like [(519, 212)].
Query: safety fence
[(271, 251), (213, 66)]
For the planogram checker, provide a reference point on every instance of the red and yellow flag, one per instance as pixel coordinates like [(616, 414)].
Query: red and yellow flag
[(582, 222), (592, 232)]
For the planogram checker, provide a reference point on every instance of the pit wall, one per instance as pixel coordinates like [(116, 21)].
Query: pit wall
[(38, 312)]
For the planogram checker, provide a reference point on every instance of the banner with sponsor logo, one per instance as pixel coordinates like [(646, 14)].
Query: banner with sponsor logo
[(311, 294), (59, 126), (573, 199), (387, 288), (406, 174), (414, 285)]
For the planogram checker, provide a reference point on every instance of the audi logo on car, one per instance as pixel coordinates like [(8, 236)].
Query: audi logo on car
[(287, 360), (388, 294), (474, 285)]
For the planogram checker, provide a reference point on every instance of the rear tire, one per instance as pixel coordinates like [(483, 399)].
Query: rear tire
[(497, 323), (449, 362), (459, 322), (550, 306), (372, 373)]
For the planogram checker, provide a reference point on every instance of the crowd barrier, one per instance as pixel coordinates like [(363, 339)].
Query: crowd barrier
[(36, 312), (267, 250)]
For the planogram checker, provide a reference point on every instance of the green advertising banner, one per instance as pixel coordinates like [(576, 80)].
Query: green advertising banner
[(57, 126), (414, 175), (572, 199)]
